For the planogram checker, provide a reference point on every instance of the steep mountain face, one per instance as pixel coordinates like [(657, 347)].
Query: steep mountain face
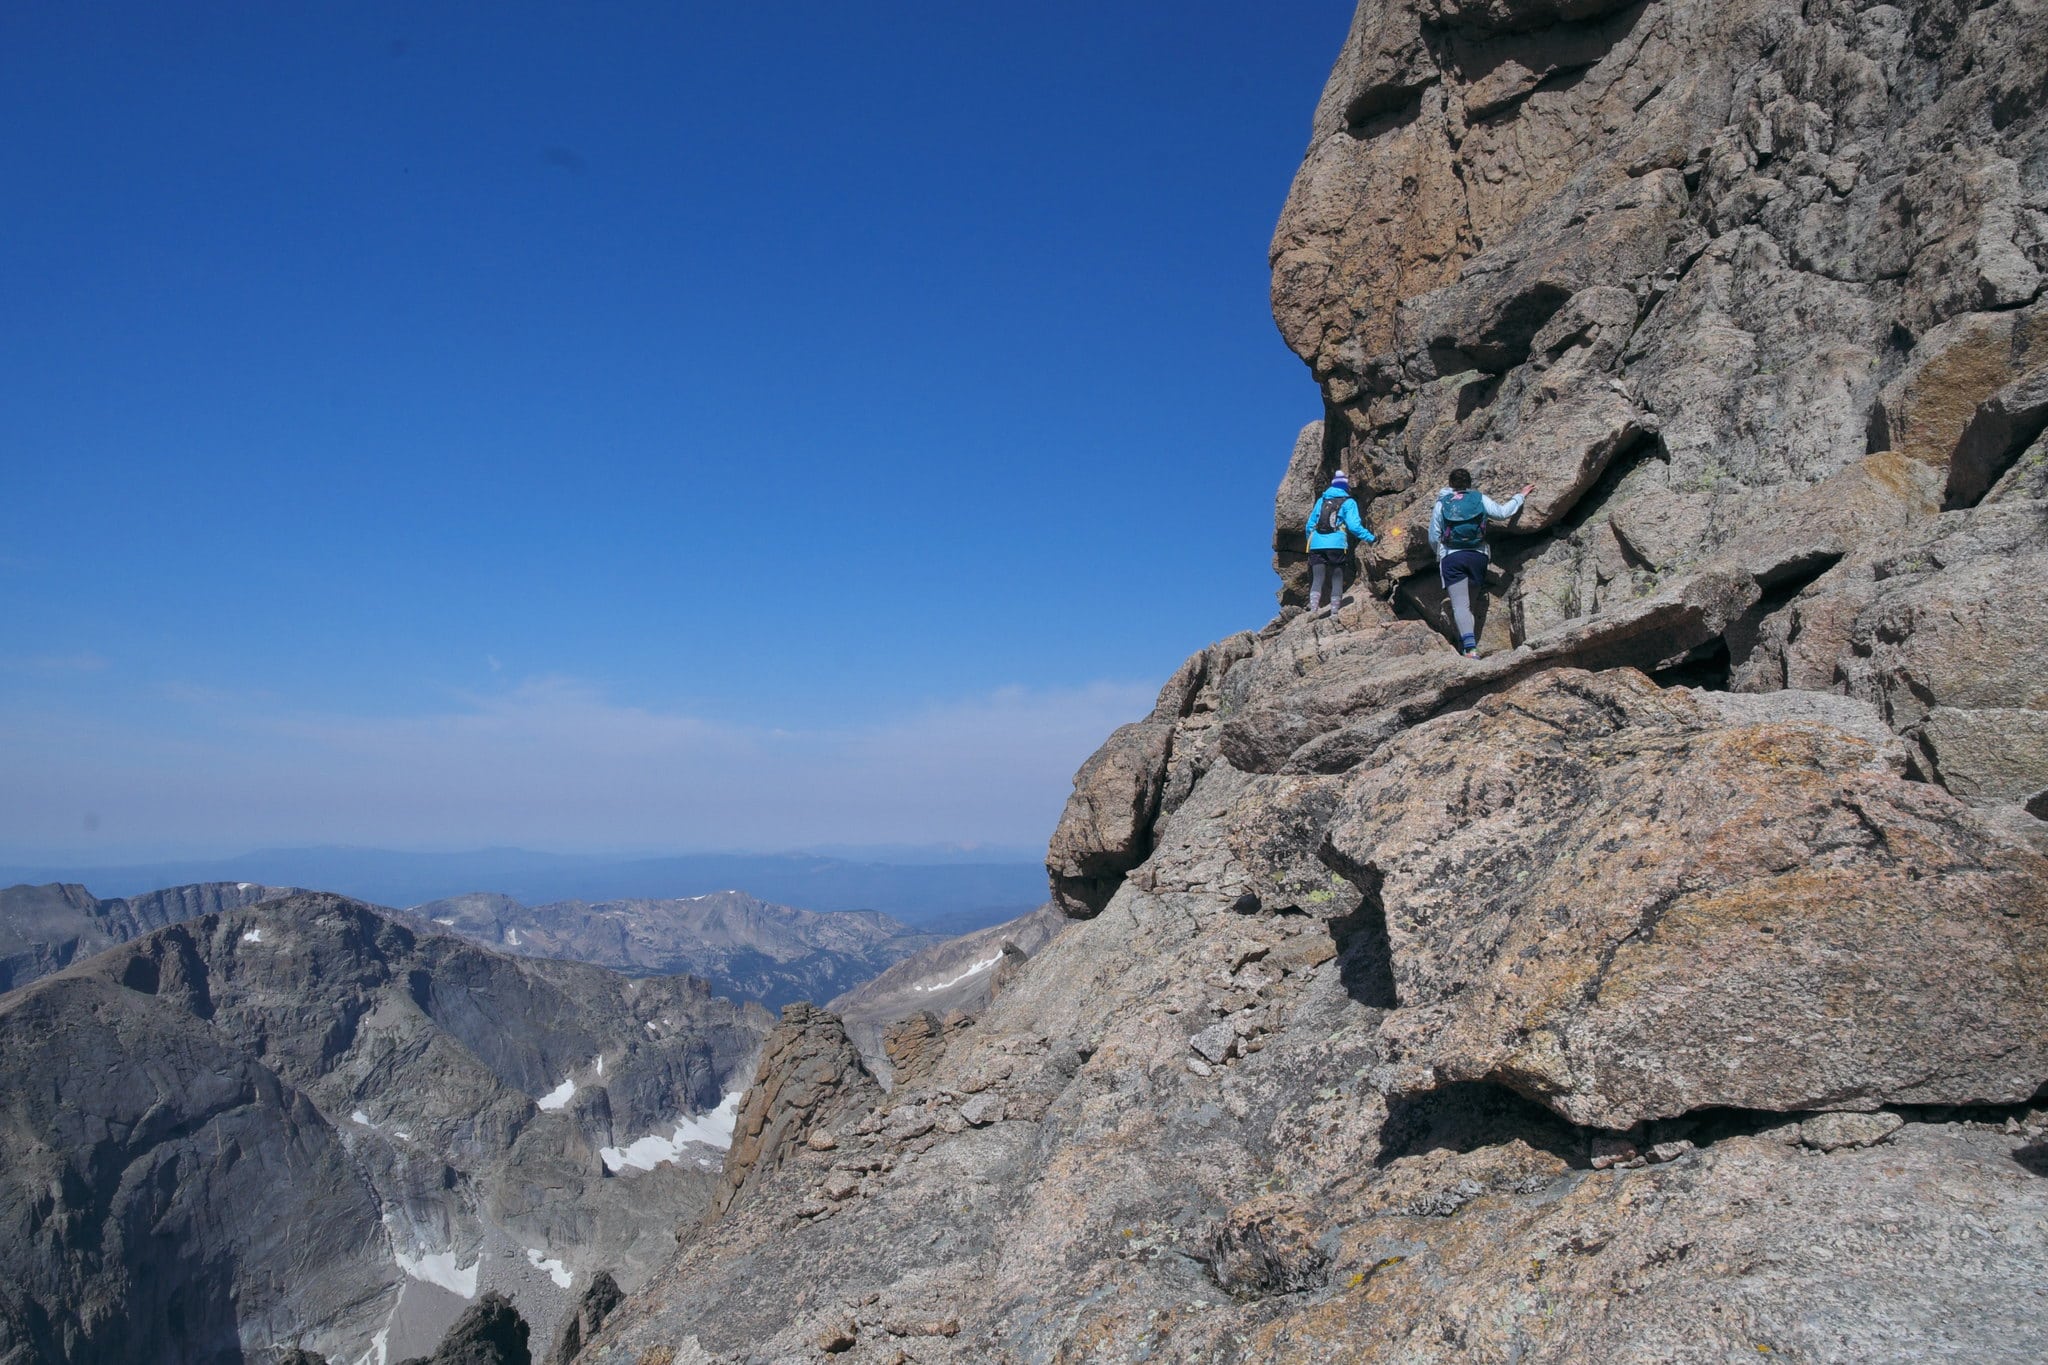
[(959, 974), (305, 1123), (746, 948), (1665, 985), (43, 929)]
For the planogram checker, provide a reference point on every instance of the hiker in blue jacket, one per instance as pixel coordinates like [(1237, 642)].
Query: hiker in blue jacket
[(1333, 514), (1457, 532)]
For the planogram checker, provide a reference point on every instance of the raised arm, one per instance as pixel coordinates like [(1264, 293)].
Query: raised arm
[(1355, 524)]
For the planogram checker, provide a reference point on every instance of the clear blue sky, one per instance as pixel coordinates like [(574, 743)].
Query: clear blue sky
[(657, 425)]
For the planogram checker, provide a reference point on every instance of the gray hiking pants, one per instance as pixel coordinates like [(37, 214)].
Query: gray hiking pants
[(1325, 571), (1461, 569)]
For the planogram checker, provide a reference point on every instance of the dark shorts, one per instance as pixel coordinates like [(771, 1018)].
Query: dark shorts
[(1463, 566), (1339, 557)]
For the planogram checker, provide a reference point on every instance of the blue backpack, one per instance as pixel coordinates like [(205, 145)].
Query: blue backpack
[(1464, 519)]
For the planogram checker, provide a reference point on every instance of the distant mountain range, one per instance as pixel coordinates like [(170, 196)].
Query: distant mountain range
[(44, 929), (926, 889), (311, 1123), (746, 948)]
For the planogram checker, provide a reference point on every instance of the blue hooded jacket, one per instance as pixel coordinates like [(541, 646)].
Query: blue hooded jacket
[(1349, 519)]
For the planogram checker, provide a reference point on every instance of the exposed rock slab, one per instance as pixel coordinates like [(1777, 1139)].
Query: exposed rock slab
[(1607, 897)]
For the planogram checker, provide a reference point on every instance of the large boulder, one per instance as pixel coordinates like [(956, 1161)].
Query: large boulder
[(1629, 902)]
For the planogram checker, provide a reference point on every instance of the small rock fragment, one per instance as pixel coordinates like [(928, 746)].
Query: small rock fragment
[(1216, 1043), (984, 1109), (1832, 1132), (821, 1141), (1612, 1151), (840, 1185), (1199, 1067)]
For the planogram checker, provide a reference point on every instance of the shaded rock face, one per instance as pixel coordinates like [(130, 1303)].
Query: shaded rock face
[(747, 949), (402, 1120), (44, 929), (1663, 985)]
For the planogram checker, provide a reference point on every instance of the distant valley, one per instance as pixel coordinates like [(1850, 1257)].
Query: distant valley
[(746, 948)]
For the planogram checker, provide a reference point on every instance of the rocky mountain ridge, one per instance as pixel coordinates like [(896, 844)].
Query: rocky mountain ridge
[(1663, 986), (305, 1123), (44, 929), (748, 949)]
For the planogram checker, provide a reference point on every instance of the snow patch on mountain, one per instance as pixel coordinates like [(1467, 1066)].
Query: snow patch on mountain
[(439, 1267), (976, 970), (711, 1130), (557, 1272)]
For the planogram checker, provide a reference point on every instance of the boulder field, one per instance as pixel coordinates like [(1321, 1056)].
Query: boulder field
[(1670, 984)]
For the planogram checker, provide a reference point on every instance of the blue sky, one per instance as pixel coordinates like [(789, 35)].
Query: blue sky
[(613, 425)]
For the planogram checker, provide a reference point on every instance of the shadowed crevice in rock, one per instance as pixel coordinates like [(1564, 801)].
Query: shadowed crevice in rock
[(1498, 66), (1380, 109), (1504, 343), (1365, 955), (2001, 429), (1469, 1115), (1705, 668)]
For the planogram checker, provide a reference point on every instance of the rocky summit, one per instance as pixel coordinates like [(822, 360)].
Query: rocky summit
[(1665, 984), (307, 1125)]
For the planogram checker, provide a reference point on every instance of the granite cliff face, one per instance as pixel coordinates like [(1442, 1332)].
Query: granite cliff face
[(307, 1124), (1666, 985), (748, 949)]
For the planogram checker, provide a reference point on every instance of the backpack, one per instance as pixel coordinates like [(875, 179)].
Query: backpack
[(1330, 516), (1464, 519)]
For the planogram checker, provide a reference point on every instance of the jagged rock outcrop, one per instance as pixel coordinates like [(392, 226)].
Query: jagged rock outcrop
[(810, 1079), (1663, 985), (748, 949), (401, 1120), (44, 929), (596, 1303), (489, 1332)]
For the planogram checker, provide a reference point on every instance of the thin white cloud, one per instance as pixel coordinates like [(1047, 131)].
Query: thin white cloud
[(555, 763)]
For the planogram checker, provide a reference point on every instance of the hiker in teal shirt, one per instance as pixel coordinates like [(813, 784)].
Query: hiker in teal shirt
[(1333, 514), (1457, 532)]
